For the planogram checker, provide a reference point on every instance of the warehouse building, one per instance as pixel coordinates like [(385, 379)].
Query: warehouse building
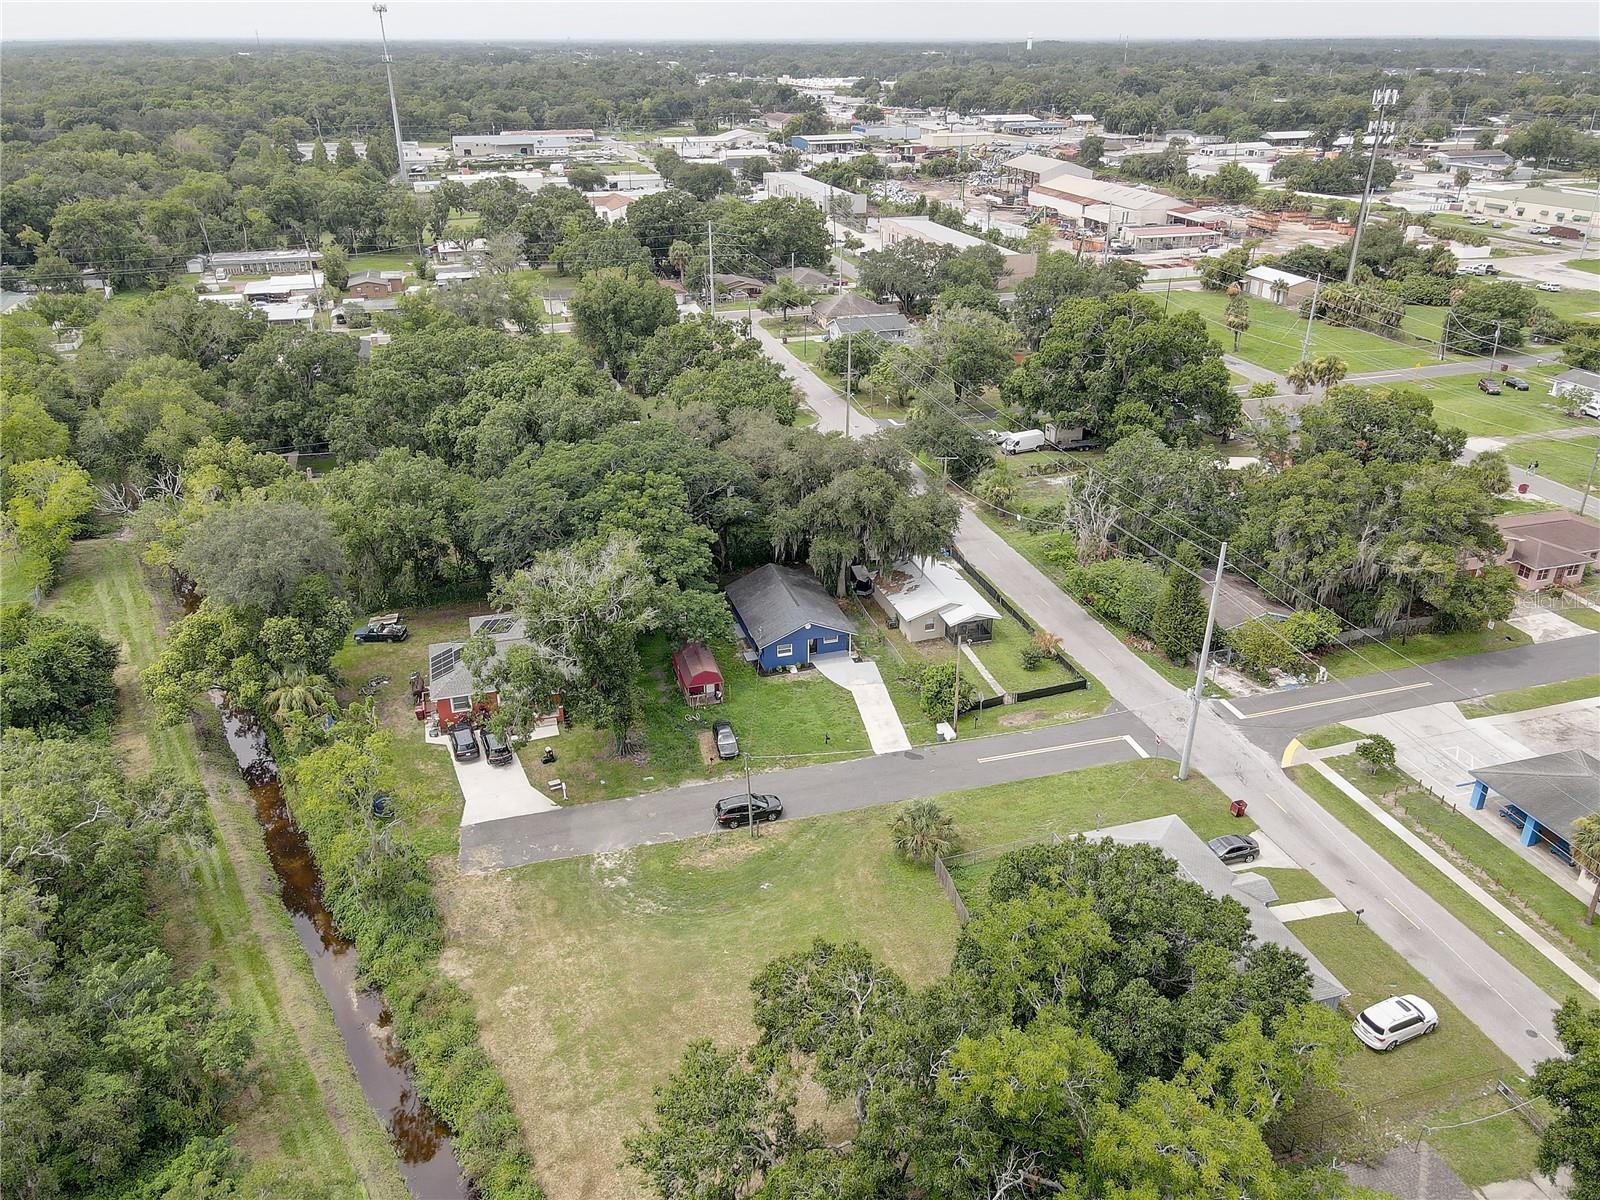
[(793, 185), (519, 143), (1097, 204)]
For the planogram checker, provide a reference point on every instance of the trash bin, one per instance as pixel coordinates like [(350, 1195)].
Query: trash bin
[(1522, 489), (1238, 807)]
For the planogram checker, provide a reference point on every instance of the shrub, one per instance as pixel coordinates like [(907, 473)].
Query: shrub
[(1376, 754), (1047, 642), (1124, 589), (1264, 645), (1031, 657), (923, 831), (1262, 391), (936, 686)]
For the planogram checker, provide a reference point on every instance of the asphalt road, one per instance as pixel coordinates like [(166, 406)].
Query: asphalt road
[(807, 791), (1270, 721)]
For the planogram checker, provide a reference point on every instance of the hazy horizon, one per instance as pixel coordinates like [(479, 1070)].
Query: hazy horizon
[(820, 22)]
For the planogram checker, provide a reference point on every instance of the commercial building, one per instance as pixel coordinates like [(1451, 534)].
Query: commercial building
[(1098, 204), (1030, 170), (1145, 238), (1565, 206), (827, 143), (712, 144), (255, 262), (925, 229), (519, 143), (795, 186), (1543, 797), (1289, 139), (888, 133)]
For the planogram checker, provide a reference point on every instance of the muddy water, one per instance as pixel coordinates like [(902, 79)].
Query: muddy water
[(421, 1142)]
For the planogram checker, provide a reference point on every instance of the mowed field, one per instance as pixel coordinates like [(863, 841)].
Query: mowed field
[(1276, 335)]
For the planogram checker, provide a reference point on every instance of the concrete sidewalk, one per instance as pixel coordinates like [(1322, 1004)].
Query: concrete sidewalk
[(865, 685)]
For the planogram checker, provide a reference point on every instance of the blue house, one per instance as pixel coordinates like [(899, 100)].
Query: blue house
[(787, 617)]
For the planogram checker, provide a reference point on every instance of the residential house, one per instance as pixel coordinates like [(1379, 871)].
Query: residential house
[(1576, 380), (927, 599), (556, 301), (809, 278), (891, 326), (280, 289), (786, 618), (1549, 549), (371, 342), (849, 304), (446, 275), (739, 287), (452, 691), (611, 207), (1278, 287), (375, 285), (451, 253), (293, 312)]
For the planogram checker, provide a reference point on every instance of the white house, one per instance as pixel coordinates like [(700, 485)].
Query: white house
[(1277, 287), (926, 599)]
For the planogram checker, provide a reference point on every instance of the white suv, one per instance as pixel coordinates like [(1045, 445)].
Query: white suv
[(1398, 1019)]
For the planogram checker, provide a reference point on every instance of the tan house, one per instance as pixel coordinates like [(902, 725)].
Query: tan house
[(927, 599), (1549, 549)]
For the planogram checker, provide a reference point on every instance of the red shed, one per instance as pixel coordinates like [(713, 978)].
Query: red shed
[(699, 679)]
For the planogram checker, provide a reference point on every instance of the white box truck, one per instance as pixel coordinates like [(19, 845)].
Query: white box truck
[(1022, 443)]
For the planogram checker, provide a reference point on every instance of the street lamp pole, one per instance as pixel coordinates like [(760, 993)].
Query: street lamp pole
[(1200, 673), (1382, 99)]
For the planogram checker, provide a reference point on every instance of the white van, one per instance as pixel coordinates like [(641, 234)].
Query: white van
[(1022, 443)]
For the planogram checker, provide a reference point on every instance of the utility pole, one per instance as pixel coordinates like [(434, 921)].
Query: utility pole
[(955, 700), (1200, 673), (849, 369), (711, 271), (394, 109), (1589, 482), (1311, 316), (1382, 98), (1494, 352)]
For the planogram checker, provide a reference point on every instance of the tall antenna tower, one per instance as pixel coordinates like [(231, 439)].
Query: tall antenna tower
[(394, 109), (1030, 42)]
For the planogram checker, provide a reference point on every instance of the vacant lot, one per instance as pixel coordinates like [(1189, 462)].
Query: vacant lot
[(592, 975), (1457, 401), (1395, 655), (1522, 699), (1276, 335), (1566, 460)]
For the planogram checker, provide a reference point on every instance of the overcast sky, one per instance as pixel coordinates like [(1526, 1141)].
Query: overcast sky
[(781, 20)]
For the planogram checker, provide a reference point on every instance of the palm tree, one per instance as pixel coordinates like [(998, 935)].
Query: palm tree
[(1300, 377), (1238, 315), (923, 831), (1584, 843), (296, 690), (1327, 371)]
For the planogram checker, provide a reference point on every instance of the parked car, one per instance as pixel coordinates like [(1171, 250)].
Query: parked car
[(1478, 221), (1023, 442), (745, 810), (1540, 229), (495, 748), (1549, 241), (387, 628), (1234, 847), (727, 741), (463, 741), (1590, 409), (1515, 384), (1548, 287), (1489, 387), (1398, 1019)]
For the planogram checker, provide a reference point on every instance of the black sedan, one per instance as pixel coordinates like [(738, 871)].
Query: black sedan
[(464, 742), (1515, 384), (1234, 848), (743, 810)]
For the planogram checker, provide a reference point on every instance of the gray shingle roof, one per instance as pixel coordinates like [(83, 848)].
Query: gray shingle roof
[(1553, 789), (774, 601), (869, 323), (848, 304)]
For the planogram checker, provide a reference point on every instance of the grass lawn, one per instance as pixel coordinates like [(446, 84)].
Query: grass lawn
[(1591, 265), (394, 261), (1293, 884), (1457, 401), (592, 975), (1586, 617), (1506, 872), (1276, 333), (809, 351), (1329, 735), (1541, 696), (222, 913), (1419, 648), (1572, 302), (1565, 460), (1463, 907), (1445, 1078)]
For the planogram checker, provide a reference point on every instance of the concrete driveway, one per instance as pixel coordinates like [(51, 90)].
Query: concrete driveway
[(494, 792), (865, 685)]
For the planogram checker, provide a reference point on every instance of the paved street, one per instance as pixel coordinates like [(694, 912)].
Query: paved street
[(808, 791), (1271, 720)]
